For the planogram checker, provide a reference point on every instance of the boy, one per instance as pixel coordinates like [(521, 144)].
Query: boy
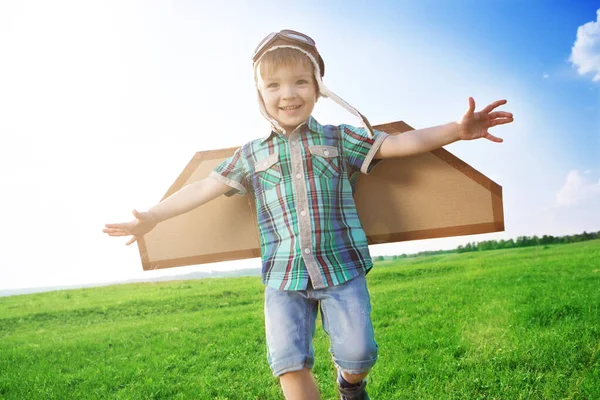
[(302, 176)]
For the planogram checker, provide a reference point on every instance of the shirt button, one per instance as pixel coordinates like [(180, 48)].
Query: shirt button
[(303, 213), (307, 251), (298, 176), (293, 143), (326, 152)]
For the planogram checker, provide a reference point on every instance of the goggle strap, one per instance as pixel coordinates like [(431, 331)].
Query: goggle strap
[(263, 43), (287, 34), (299, 37)]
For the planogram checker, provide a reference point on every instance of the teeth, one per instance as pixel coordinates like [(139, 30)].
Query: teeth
[(290, 108)]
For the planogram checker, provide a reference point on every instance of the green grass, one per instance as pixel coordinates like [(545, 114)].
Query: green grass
[(506, 324)]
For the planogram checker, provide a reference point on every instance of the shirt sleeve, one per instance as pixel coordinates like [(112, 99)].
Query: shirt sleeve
[(359, 148), (233, 173)]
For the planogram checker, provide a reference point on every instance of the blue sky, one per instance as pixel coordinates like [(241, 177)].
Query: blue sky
[(102, 104), (527, 40)]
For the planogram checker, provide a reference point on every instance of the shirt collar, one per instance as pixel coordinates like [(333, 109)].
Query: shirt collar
[(311, 123), (314, 126)]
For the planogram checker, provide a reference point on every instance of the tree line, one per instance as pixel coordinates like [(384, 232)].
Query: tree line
[(521, 241)]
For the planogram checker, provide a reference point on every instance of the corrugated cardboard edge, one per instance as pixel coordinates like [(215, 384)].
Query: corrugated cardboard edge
[(497, 225), (185, 175), (210, 258), (193, 165)]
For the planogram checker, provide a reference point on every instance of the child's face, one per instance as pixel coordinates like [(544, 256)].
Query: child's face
[(289, 95)]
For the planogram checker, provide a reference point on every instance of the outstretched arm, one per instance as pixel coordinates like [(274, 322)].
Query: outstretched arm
[(186, 199), (473, 125)]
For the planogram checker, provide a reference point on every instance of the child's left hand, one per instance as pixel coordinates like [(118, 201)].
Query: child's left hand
[(475, 125)]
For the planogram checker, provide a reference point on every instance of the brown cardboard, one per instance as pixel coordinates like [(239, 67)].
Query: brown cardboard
[(430, 195)]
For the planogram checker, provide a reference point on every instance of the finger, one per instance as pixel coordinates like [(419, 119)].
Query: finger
[(113, 225), (120, 225), (119, 232), (471, 108), (110, 230), (143, 216), (493, 138), (132, 240), (500, 114), (495, 104), (500, 121)]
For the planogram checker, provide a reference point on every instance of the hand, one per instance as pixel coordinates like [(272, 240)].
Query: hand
[(475, 125), (143, 223)]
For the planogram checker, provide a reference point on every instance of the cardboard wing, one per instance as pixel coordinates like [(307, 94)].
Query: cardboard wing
[(430, 195)]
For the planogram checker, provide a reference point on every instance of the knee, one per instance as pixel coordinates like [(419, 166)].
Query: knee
[(362, 352), (365, 351)]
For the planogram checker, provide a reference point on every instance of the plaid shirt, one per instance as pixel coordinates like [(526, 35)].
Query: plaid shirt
[(303, 186)]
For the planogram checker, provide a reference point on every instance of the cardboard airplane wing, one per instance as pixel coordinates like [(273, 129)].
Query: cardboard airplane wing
[(429, 195)]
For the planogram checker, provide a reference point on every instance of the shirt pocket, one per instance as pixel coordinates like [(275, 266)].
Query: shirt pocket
[(268, 171), (325, 160)]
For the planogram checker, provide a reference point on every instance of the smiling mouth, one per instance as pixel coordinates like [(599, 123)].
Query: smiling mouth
[(290, 108)]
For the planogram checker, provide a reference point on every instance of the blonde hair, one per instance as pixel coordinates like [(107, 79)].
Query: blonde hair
[(284, 57)]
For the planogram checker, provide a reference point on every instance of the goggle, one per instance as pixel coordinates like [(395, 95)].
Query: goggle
[(289, 36)]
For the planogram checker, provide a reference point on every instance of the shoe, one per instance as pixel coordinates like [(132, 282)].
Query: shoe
[(357, 392)]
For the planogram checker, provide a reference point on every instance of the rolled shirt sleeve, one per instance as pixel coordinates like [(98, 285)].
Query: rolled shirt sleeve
[(359, 148), (233, 172)]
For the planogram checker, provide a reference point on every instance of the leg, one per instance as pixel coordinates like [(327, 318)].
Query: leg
[(352, 390), (354, 378), (346, 312), (299, 385), (290, 326)]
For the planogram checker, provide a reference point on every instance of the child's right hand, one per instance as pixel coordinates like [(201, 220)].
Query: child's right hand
[(143, 223)]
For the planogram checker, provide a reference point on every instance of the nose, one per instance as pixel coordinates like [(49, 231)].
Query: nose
[(288, 91)]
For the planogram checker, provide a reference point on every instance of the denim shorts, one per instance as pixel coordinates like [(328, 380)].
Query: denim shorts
[(290, 319)]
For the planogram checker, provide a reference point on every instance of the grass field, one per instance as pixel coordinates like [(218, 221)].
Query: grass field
[(506, 324)]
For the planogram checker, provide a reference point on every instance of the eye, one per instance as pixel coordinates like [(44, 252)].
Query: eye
[(272, 85), (303, 82)]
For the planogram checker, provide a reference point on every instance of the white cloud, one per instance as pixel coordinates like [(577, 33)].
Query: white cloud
[(578, 188), (585, 54), (546, 76)]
